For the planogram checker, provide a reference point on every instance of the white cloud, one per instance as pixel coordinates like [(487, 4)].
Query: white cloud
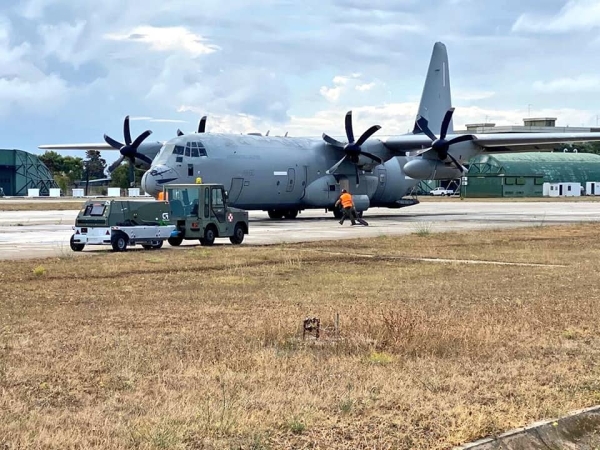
[(575, 15), (343, 83), (167, 39), (61, 40), (472, 95), (39, 96), (365, 87), (581, 83)]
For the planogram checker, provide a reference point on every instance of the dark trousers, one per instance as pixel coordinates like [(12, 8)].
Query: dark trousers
[(349, 213)]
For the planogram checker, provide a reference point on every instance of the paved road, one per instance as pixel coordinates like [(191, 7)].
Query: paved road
[(26, 234)]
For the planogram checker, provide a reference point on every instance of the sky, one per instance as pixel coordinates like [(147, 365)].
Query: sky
[(70, 71)]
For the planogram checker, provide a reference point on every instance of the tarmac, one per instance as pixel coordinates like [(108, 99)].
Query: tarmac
[(36, 234)]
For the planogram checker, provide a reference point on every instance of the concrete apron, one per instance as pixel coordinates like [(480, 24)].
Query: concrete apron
[(578, 430)]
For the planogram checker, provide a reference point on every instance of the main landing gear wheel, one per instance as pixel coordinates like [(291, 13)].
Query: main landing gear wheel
[(74, 246), (209, 236), (238, 235), (275, 214), (291, 214)]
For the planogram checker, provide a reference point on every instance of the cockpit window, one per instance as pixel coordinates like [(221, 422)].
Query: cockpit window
[(178, 150), (195, 153)]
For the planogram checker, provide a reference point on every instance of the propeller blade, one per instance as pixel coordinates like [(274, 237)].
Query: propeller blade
[(336, 165), (143, 157), (141, 138), (357, 175), (131, 172), (202, 125), (367, 134), (446, 123), (126, 132), (458, 165), (349, 132), (116, 164), (114, 144), (179, 132), (422, 124), (462, 138), (373, 157), (332, 141), (268, 131)]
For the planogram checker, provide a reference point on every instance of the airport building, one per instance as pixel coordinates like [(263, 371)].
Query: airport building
[(527, 174), (22, 173)]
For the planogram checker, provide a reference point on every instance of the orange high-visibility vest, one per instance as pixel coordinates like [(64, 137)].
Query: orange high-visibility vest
[(346, 200)]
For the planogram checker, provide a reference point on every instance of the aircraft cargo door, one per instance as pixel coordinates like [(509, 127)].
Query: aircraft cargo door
[(291, 181), (381, 181), (236, 189)]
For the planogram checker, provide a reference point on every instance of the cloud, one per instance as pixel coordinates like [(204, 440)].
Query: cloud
[(343, 84), (581, 83), (472, 95), (574, 16), (172, 39)]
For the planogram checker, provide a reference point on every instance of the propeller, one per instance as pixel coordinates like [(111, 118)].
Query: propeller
[(352, 149), (201, 127), (129, 150), (441, 145)]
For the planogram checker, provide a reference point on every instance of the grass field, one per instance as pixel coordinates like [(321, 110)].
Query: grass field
[(202, 348), (8, 205)]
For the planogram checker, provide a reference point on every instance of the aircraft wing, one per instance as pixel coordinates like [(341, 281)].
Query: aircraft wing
[(529, 142), (102, 146), (497, 142)]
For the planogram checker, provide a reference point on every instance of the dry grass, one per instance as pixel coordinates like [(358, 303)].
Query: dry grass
[(42, 205), (201, 348)]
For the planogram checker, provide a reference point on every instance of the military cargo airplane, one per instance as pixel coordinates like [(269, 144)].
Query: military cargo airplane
[(284, 175)]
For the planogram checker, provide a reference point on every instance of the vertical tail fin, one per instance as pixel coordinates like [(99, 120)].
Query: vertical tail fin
[(436, 98)]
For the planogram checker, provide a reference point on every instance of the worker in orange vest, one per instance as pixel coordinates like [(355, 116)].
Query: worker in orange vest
[(348, 207)]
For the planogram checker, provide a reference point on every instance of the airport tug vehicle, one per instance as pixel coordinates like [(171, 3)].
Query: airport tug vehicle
[(121, 223), (200, 211)]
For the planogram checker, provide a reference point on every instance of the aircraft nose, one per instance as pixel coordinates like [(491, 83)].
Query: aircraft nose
[(154, 179), (149, 184)]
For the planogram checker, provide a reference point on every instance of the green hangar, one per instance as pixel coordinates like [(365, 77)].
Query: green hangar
[(531, 174), (23, 174)]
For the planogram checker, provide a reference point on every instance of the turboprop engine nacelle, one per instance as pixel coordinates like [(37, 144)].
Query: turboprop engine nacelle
[(430, 169)]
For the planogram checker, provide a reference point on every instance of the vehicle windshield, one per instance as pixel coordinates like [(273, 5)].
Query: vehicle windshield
[(184, 202)]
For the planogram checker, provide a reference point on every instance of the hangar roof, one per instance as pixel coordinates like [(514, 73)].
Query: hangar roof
[(554, 167)]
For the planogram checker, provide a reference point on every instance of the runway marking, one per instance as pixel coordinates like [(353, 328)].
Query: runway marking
[(439, 260)]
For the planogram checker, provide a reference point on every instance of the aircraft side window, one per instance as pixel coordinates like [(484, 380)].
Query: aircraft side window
[(202, 151), (195, 153)]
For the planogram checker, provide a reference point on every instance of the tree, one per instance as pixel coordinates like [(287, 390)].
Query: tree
[(94, 164), (64, 169), (120, 176)]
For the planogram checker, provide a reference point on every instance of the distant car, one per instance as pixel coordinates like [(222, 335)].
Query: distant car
[(441, 191)]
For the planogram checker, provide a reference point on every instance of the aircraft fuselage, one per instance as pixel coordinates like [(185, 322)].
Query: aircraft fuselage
[(277, 173)]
